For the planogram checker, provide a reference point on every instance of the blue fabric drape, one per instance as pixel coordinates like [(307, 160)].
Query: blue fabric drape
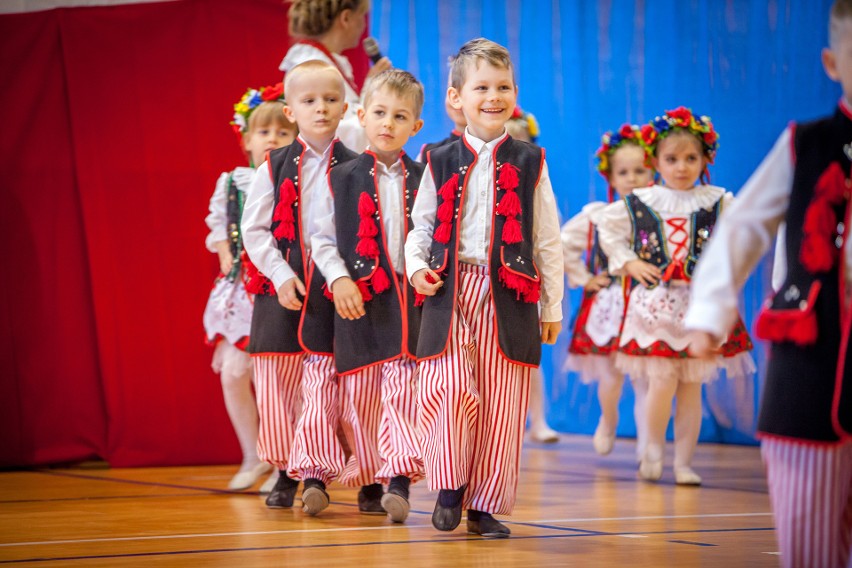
[(585, 67)]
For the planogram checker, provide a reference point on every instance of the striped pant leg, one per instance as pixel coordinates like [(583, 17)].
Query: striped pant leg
[(448, 397), (503, 401), (360, 415), (811, 491), (398, 442), (316, 452), (278, 381)]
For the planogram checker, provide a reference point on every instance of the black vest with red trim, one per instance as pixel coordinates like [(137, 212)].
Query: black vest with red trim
[(808, 391), (515, 280), (424, 151), (391, 325), (649, 236), (275, 329)]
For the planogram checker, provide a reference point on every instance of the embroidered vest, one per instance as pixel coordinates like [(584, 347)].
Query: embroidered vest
[(391, 325), (808, 391), (596, 260), (515, 280), (649, 237)]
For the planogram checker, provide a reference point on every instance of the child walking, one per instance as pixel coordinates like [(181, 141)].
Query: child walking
[(624, 161), (485, 251), (278, 220), (805, 424), (656, 235), (260, 123), (377, 323)]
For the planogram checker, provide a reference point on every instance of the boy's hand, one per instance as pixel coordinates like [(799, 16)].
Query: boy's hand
[(382, 64), (644, 272), (226, 259), (703, 345), (288, 294), (602, 280), (347, 298), (549, 331), (426, 282)]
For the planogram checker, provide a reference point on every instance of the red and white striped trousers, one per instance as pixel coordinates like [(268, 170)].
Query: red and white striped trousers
[(473, 405), (278, 380), (811, 491)]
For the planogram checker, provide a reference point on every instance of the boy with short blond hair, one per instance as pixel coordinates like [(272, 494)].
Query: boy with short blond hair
[(485, 252), (279, 217), (805, 424)]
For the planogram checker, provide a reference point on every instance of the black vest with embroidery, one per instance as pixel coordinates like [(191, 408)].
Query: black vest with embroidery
[(808, 391), (391, 325), (596, 260), (649, 236), (424, 152), (518, 332), (275, 329)]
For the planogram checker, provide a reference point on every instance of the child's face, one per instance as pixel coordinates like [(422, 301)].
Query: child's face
[(354, 24), (487, 99), (679, 161), (315, 103), (389, 120), (837, 59), (627, 170), (262, 139)]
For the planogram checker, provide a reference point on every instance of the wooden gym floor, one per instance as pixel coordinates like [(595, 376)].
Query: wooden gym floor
[(574, 508)]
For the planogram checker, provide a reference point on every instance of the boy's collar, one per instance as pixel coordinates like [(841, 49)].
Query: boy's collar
[(309, 148), (478, 144)]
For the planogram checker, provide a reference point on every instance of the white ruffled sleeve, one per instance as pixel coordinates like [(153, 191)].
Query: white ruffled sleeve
[(615, 232), (575, 242), (217, 218)]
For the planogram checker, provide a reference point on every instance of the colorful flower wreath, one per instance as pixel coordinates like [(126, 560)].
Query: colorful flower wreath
[(682, 118), (531, 123), (250, 100), (610, 142)]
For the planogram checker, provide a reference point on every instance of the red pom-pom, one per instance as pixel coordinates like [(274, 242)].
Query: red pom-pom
[(368, 248), (366, 206), (448, 190), (445, 211), (367, 228), (817, 253), (512, 231), (820, 218), (366, 295), (254, 281), (285, 230), (326, 292), (283, 212), (510, 205), (379, 281), (831, 184), (442, 232), (533, 294), (525, 289), (508, 176), (287, 192), (801, 329)]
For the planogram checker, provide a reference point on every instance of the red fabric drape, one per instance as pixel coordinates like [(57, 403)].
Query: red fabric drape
[(115, 129)]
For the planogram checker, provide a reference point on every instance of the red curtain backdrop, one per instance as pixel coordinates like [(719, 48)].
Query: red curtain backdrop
[(115, 129)]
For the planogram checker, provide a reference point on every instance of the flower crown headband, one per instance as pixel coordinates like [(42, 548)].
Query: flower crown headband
[(250, 100), (529, 119), (682, 117)]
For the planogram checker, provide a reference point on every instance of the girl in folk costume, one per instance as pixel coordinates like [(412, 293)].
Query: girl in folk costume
[(624, 160), (260, 124), (324, 29), (656, 235)]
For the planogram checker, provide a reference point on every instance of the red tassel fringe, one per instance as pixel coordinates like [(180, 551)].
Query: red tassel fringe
[(525, 289), (817, 253), (366, 206), (326, 292), (777, 327), (510, 205), (366, 295), (445, 211), (367, 229), (508, 177), (287, 192), (368, 248), (419, 299), (448, 190), (820, 218), (379, 281), (831, 184), (512, 231), (285, 230), (442, 233)]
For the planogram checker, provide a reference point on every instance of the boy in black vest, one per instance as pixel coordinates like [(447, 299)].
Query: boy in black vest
[(361, 240), (277, 222), (485, 251), (805, 424)]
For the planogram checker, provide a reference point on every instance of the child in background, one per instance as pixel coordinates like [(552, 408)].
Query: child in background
[(485, 257), (656, 235), (377, 323), (278, 220), (459, 123), (805, 425), (624, 161), (261, 126), (523, 126), (324, 29)]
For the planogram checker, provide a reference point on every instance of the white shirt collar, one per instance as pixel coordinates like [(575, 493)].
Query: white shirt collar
[(480, 145), (312, 152), (395, 168)]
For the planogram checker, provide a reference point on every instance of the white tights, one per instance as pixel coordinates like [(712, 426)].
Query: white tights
[(687, 419), (235, 369)]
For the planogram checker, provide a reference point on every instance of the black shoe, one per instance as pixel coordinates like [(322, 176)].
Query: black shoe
[(370, 500), (314, 497), (484, 524), (283, 494), (395, 501), (448, 507)]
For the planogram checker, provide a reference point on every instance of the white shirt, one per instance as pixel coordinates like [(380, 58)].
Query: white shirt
[(256, 223), (575, 242), (742, 238), (392, 207), (350, 131), (474, 225), (217, 218)]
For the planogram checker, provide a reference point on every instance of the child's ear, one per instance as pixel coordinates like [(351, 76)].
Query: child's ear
[(418, 124), (288, 114), (454, 97), (362, 116), (829, 62)]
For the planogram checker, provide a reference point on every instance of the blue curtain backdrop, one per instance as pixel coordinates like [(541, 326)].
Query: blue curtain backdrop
[(584, 67)]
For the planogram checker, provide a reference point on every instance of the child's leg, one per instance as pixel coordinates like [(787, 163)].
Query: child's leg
[(640, 394), (609, 393), (398, 443), (539, 430), (687, 427), (360, 415), (811, 491), (658, 410)]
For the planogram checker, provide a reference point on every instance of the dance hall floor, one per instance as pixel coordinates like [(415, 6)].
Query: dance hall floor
[(574, 508)]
